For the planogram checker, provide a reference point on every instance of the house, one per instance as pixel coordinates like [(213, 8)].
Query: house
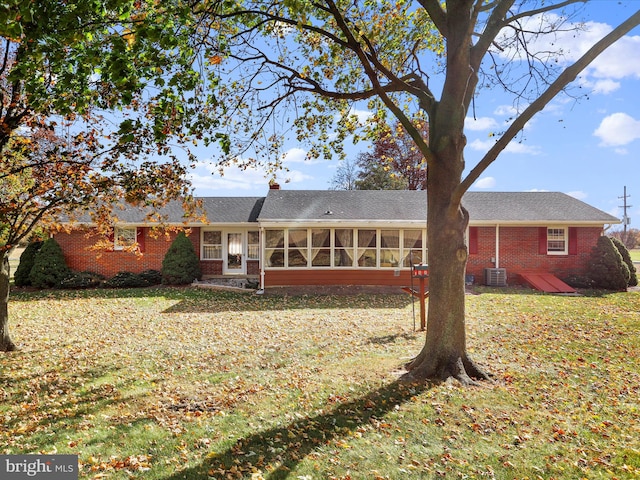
[(303, 237)]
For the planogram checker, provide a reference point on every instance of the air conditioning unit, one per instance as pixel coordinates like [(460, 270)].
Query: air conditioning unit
[(495, 277)]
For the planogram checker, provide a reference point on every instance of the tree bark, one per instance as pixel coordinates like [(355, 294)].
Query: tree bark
[(6, 345)]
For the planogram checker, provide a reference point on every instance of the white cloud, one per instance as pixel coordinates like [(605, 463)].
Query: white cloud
[(577, 194), (505, 110), (295, 155), (565, 45), (486, 182), (618, 129), (479, 124), (513, 147)]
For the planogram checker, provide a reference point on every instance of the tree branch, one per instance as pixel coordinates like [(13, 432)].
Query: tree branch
[(566, 77)]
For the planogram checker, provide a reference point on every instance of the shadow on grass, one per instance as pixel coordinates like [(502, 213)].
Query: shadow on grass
[(54, 404), (197, 300), (277, 451)]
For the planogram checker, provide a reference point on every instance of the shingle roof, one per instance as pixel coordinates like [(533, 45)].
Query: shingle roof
[(532, 207), (407, 205), (217, 210), (334, 205), (380, 205)]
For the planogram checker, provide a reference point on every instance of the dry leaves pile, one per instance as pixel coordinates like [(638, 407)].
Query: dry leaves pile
[(185, 383)]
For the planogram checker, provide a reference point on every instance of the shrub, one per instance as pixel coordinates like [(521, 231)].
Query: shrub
[(153, 277), (180, 265), (607, 269), (626, 258), (126, 280), (82, 280), (49, 267), (21, 275)]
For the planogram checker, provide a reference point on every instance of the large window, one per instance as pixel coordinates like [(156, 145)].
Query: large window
[(253, 245), (556, 241), (343, 247), (212, 245), (124, 237), (320, 247), (389, 248), (412, 247), (274, 248)]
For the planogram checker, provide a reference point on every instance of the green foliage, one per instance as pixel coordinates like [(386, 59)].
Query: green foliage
[(180, 265), (27, 259), (152, 277), (626, 257), (78, 280), (126, 280), (49, 266), (607, 268)]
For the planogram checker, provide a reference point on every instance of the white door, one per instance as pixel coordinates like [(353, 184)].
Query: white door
[(235, 256)]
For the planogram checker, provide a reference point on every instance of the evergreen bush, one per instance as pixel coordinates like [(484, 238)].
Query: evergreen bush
[(626, 258), (21, 275), (82, 280), (126, 280), (607, 269), (49, 267), (180, 265), (153, 277)]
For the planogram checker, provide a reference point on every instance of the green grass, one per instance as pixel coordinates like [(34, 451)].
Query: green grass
[(635, 254), (196, 384)]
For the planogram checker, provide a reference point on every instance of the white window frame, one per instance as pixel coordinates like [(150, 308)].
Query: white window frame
[(308, 250), (564, 238), (203, 245), (128, 233)]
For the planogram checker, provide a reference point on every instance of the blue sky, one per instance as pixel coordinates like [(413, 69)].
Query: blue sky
[(588, 149)]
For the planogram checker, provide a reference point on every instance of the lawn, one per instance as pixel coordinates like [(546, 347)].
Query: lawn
[(635, 255), (195, 384)]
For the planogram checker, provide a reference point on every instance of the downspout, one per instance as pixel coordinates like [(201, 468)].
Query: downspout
[(497, 246), (262, 257)]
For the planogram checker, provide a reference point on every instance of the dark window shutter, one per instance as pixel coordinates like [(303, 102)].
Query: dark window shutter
[(542, 240), (573, 241), (112, 239), (140, 238), (473, 240)]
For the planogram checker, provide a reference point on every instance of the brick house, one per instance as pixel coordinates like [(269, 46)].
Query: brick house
[(312, 237)]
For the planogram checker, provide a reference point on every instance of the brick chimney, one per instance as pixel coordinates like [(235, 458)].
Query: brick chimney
[(273, 185)]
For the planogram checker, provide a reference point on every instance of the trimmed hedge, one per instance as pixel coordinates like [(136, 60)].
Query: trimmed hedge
[(607, 269), (28, 257), (180, 265), (49, 266), (626, 258)]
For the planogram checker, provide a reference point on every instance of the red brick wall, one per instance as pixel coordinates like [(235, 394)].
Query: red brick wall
[(519, 253), (80, 256)]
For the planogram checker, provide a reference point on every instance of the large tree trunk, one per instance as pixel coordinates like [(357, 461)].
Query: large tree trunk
[(6, 345), (444, 354)]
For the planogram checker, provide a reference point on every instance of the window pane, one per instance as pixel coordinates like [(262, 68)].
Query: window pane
[(556, 240), (253, 238), (343, 254), (389, 238), (412, 239), (320, 237), (274, 238), (210, 252), (298, 238), (366, 238), (124, 237), (275, 257), (253, 245), (212, 238)]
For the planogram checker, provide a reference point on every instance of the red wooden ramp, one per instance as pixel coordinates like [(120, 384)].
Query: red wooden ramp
[(547, 282)]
